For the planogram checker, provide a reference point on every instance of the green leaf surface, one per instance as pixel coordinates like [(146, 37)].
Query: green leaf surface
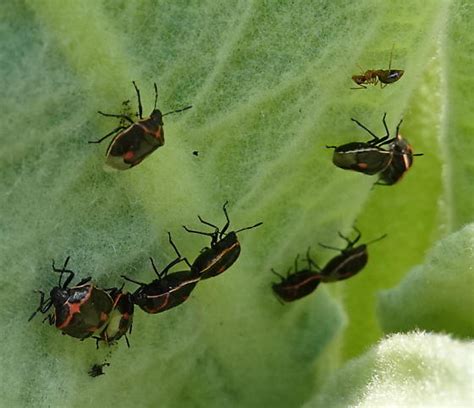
[(437, 296), (405, 370), (270, 87)]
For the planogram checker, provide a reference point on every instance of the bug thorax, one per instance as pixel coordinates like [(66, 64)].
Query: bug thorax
[(157, 117), (59, 296), (228, 240)]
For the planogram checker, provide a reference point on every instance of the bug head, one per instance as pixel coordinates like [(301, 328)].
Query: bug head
[(157, 117), (358, 79)]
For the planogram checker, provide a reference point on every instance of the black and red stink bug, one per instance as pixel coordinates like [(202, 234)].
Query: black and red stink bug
[(298, 284), (374, 76), (401, 162), (365, 157), (120, 320), (224, 250), (169, 290), (133, 143), (79, 311), (351, 260)]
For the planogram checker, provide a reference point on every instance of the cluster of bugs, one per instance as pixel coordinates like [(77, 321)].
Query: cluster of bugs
[(301, 282), (389, 158), (85, 310), (106, 315)]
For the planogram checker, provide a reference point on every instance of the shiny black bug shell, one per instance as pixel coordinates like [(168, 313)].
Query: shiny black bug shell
[(298, 284), (401, 162), (365, 157), (79, 311), (224, 249), (135, 141), (349, 262), (218, 258), (166, 292), (121, 318), (169, 290), (389, 76), (362, 157)]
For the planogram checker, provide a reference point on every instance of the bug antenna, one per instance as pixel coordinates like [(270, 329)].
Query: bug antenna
[(391, 54), (376, 239), (418, 154), (178, 110), (247, 228), (156, 95), (331, 147)]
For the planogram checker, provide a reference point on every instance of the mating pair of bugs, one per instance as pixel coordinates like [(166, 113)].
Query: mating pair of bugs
[(371, 157), (84, 310), (302, 282)]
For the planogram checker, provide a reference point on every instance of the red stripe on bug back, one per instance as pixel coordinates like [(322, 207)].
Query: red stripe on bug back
[(128, 156)]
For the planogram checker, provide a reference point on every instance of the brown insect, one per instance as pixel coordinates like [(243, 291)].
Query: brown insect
[(374, 76)]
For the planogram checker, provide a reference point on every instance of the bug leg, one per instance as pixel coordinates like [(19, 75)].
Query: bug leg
[(133, 281), (114, 115), (208, 223), (311, 263), (375, 137), (296, 262), (227, 223), (329, 247), (117, 129), (398, 127), (126, 340), (164, 272), (140, 108), (356, 239), (277, 274), (209, 234), (177, 252)]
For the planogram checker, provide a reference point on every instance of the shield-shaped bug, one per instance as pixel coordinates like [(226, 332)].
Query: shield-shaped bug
[(224, 249), (298, 284), (79, 311), (374, 76), (169, 290), (350, 262), (365, 157), (401, 162), (134, 142), (120, 320)]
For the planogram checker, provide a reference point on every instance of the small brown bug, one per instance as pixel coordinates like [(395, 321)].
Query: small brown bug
[(298, 284), (374, 76), (133, 143), (224, 249)]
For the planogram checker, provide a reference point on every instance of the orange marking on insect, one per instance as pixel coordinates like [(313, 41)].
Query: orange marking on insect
[(128, 155)]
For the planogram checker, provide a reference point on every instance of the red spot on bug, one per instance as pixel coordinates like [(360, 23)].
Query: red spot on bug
[(103, 316), (128, 155), (362, 165)]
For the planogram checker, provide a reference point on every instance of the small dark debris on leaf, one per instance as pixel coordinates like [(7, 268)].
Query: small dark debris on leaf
[(97, 369)]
